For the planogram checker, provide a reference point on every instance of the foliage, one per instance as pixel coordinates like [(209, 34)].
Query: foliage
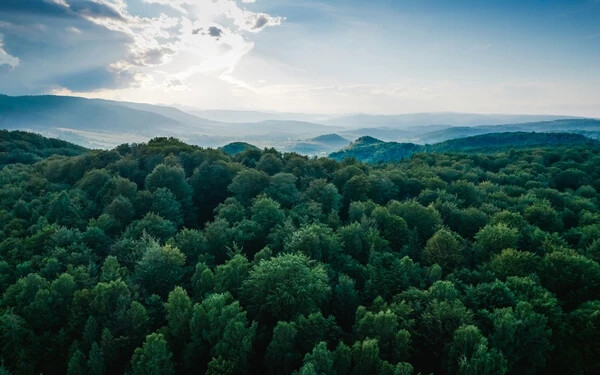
[(169, 258)]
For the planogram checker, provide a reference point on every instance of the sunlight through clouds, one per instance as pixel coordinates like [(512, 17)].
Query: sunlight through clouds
[(162, 48)]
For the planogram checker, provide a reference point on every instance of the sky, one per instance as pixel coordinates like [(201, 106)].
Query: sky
[(351, 56)]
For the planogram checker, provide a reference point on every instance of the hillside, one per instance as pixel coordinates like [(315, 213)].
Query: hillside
[(564, 125), (371, 150), (320, 145), (237, 147), (27, 148), (495, 142), (330, 139), (41, 112), (105, 124)]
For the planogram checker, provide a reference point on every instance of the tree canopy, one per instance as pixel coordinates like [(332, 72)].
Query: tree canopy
[(164, 258)]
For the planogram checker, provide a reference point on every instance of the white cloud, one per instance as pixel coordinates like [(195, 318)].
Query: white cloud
[(206, 37), (73, 29), (5, 58)]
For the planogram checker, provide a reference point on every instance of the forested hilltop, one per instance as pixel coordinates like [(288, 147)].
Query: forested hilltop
[(372, 150), (166, 258)]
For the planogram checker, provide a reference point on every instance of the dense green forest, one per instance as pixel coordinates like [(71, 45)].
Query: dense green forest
[(28, 148), (166, 258), (372, 150)]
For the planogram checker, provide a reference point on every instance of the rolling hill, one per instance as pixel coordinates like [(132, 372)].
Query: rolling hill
[(237, 147), (105, 123), (97, 123), (563, 125), (27, 148), (372, 150), (42, 112)]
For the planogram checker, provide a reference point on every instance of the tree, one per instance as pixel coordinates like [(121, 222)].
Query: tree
[(314, 328), (522, 336), (443, 248), (572, 277), (14, 337), (281, 356), (121, 209), (469, 354), (165, 204), (345, 301), (230, 276), (285, 286), (231, 210), (203, 280), (179, 314), (267, 214), (356, 188), (316, 241), (171, 177), (319, 361), (512, 262), (208, 182), (160, 269), (153, 358), (494, 238), (95, 362), (393, 341), (425, 219), (248, 183), (365, 355), (282, 188), (325, 194), (220, 327), (62, 211), (192, 243), (77, 364), (544, 216), (435, 330), (153, 225), (111, 269), (269, 163), (390, 274)]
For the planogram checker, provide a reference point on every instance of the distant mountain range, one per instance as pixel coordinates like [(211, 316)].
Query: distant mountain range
[(373, 150), (100, 123), (436, 118)]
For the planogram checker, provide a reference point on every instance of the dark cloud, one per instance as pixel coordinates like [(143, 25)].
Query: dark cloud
[(50, 56), (215, 32), (196, 31), (94, 9), (77, 8), (261, 21), (39, 7)]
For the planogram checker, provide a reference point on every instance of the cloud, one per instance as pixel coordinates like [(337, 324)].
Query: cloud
[(215, 32), (261, 22), (5, 58), (168, 43), (73, 29)]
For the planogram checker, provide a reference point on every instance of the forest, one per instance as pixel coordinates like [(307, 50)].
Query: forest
[(168, 258)]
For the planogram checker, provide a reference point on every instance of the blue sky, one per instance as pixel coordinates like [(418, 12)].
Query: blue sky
[(310, 56)]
